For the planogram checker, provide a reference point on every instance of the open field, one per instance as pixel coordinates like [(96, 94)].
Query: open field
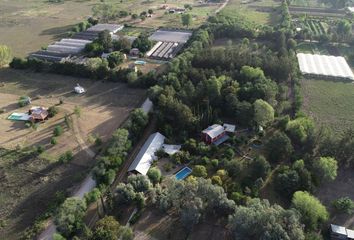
[(27, 26), (252, 11), (29, 182), (329, 103)]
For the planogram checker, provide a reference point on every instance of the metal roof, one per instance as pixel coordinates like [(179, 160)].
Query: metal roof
[(214, 130), (324, 65), (350, 234), (171, 36), (146, 155), (110, 27), (229, 127), (338, 229)]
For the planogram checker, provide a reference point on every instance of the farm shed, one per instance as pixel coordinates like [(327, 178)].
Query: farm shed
[(171, 36), (78, 89), (229, 128), (146, 155), (214, 134), (38, 114), (314, 65)]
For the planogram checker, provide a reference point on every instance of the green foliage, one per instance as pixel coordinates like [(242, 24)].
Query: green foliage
[(186, 19), (154, 175), (138, 121), (200, 171), (260, 220), (77, 111), (124, 193), (66, 157), (52, 111), (300, 129), (57, 236), (142, 43), (40, 149), (344, 204), (263, 113), (313, 213), (279, 147), (140, 183), (108, 228), (92, 196), (24, 101), (123, 44), (326, 168), (58, 130), (69, 217), (5, 55), (114, 59)]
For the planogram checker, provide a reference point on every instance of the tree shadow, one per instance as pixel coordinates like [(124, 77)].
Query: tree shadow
[(57, 33)]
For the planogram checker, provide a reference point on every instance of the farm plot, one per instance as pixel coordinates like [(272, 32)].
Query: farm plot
[(316, 27), (30, 180), (329, 103)]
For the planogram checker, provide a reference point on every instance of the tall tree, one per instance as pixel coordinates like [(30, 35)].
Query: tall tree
[(186, 19), (263, 113), (326, 168)]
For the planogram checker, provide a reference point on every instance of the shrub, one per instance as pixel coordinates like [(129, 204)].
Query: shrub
[(58, 130), (66, 157), (24, 101), (154, 175), (92, 196), (52, 111), (344, 204), (53, 141), (40, 149)]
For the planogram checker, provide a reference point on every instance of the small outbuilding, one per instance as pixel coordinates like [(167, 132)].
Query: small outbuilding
[(134, 52), (214, 134), (229, 128), (78, 89), (38, 114)]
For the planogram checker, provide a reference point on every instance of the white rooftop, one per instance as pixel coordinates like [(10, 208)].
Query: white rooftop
[(324, 65), (351, 9), (338, 229), (113, 28), (214, 130), (229, 127), (171, 149), (350, 234), (146, 155)]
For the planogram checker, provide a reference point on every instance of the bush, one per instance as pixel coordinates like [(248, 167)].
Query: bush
[(58, 130), (66, 157), (40, 149), (344, 204), (92, 196), (52, 111), (154, 175), (24, 101), (53, 141)]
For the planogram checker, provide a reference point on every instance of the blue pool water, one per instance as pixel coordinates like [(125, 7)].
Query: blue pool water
[(183, 173), (139, 62)]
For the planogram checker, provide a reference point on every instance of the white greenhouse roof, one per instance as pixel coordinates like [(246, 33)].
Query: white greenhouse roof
[(324, 65), (146, 155), (338, 229), (113, 28), (351, 9)]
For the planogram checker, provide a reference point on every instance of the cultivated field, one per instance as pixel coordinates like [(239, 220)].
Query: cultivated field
[(29, 182), (27, 26), (329, 103)]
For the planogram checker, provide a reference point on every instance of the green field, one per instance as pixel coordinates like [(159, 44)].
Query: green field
[(236, 9), (313, 48), (330, 103)]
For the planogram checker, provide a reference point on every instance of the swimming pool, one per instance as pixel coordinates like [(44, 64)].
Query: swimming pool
[(182, 174), (139, 62)]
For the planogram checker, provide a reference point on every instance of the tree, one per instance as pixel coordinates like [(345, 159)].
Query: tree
[(123, 44), (326, 168), (272, 221), (139, 182), (114, 59), (69, 217), (313, 213), (58, 130), (105, 39), (344, 204), (52, 111), (287, 181), (5, 55), (260, 168), (279, 147), (300, 129), (186, 19), (142, 43), (154, 174), (200, 171), (138, 121), (77, 111), (191, 213), (106, 228), (263, 113), (124, 193)]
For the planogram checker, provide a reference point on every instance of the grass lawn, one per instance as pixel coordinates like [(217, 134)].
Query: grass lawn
[(330, 103)]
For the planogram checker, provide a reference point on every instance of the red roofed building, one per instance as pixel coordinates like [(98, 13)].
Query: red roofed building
[(38, 114)]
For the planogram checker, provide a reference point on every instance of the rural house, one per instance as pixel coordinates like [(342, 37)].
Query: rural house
[(214, 134), (38, 114)]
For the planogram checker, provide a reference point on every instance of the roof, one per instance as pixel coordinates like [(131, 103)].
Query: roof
[(146, 155), (214, 130), (338, 229), (324, 65), (350, 234), (147, 105), (229, 127), (38, 113), (171, 149), (171, 36), (351, 9), (113, 28)]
